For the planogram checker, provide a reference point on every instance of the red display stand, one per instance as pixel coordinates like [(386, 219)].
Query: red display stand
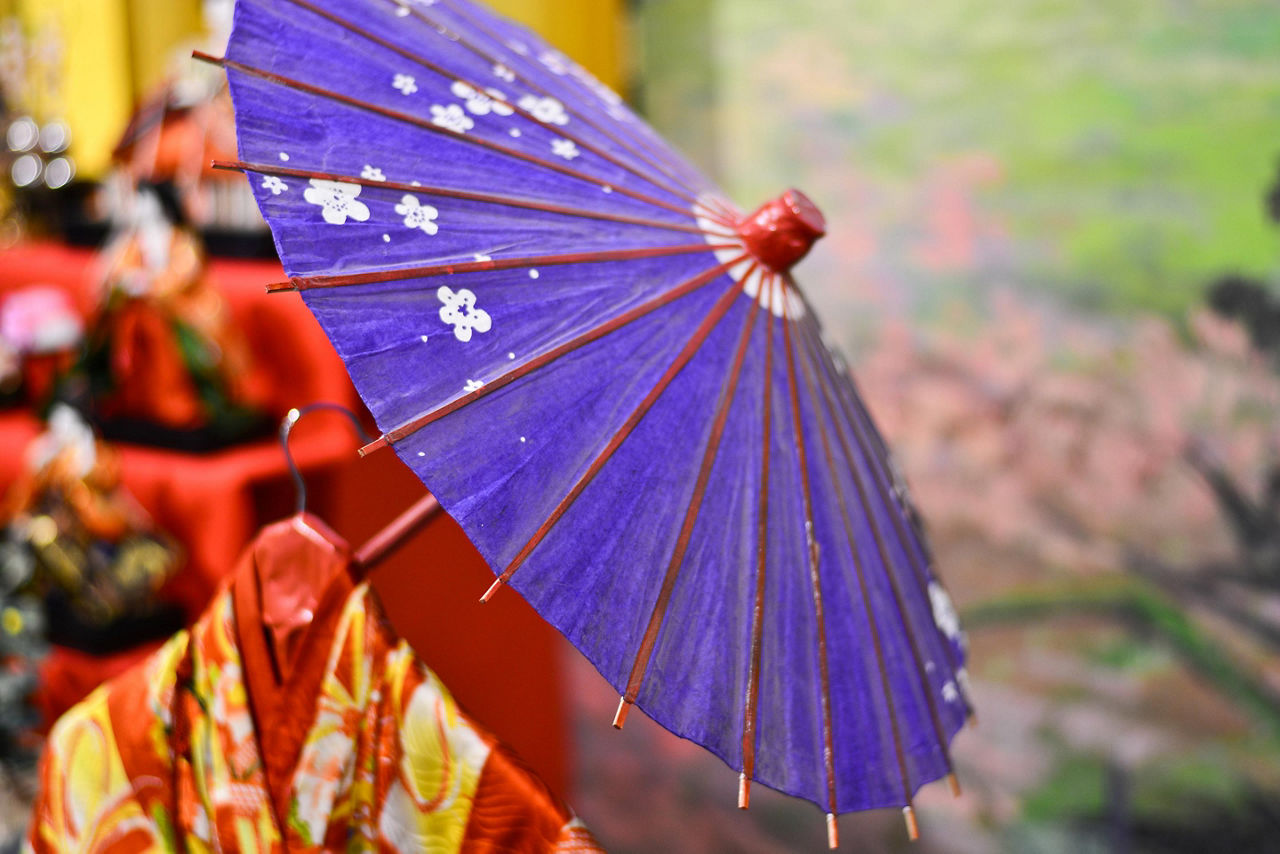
[(500, 660)]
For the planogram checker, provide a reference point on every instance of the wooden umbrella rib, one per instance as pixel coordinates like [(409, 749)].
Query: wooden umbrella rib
[(416, 121), (480, 87), (490, 57), (825, 382), (300, 283), (860, 573), (418, 422), (750, 705), (464, 195), (815, 580), (689, 350), (866, 436), (650, 637)]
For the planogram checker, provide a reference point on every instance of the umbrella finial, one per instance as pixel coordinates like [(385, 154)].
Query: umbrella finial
[(833, 833), (782, 230)]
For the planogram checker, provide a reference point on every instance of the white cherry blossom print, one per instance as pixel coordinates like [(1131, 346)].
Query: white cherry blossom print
[(372, 173), (460, 312), (556, 62), (950, 693), (482, 103), (564, 148), (405, 83), (519, 47), (944, 613), (473, 385), (418, 215), (337, 201), (451, 117), (503, 73), (546, 110), (274, 184)]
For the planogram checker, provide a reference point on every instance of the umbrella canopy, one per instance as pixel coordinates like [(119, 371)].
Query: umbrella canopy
[(606, 374)]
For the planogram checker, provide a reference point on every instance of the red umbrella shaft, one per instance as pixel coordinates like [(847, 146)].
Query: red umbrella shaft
[(394, 534)]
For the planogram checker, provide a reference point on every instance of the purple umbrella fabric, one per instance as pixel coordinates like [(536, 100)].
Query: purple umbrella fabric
[(560, 327)]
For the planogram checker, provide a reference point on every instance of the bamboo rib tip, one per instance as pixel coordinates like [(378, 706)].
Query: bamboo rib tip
[(744, 791), (207, 57), (493, 588), (380, 442), (833, 832), (954, 783), (620, 716), (913, 828)]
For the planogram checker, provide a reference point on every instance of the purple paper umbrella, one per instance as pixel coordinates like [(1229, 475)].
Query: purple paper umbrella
[(606, 374)]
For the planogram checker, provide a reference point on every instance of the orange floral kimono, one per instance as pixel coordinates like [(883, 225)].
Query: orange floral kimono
[(210, 745)]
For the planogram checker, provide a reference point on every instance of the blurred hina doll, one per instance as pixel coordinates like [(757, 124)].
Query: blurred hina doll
[(290, 717), (93, 556), (163, 362)]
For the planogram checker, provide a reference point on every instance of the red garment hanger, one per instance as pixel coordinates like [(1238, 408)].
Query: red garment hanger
[(290, 593)]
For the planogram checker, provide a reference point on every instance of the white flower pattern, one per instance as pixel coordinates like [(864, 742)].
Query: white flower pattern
[(564, 148), (451, 117), (473, 385), (546, 110), (503, 73), (274, 184), (460, 312), (418, 215), (482, 103), (405, 83), (556, 62), (337, 201), (944, 613), (372, 173)]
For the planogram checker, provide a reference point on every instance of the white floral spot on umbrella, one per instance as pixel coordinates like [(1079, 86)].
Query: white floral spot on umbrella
[(556, 62), (460, 312), (405, 83), (950, 693), (386, 238), (274, 184), (533, 274), (418, 215), (511, 355), (402, 11), (515, 132), (372, 173), (607, 188), (480, 256), (522, 440), (546, 110), (451, 117), (337, 201), (422, 338), (473, 385), (422, 453), (284, 157), (962, 679), (503, 73), (564, 148), (944, 613), (482, 103), (518, 47)]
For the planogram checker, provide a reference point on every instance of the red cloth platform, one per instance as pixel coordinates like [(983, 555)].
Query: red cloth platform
[(500, 660)]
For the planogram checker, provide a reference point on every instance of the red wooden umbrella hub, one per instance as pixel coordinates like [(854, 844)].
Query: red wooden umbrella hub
[(782, 230)]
